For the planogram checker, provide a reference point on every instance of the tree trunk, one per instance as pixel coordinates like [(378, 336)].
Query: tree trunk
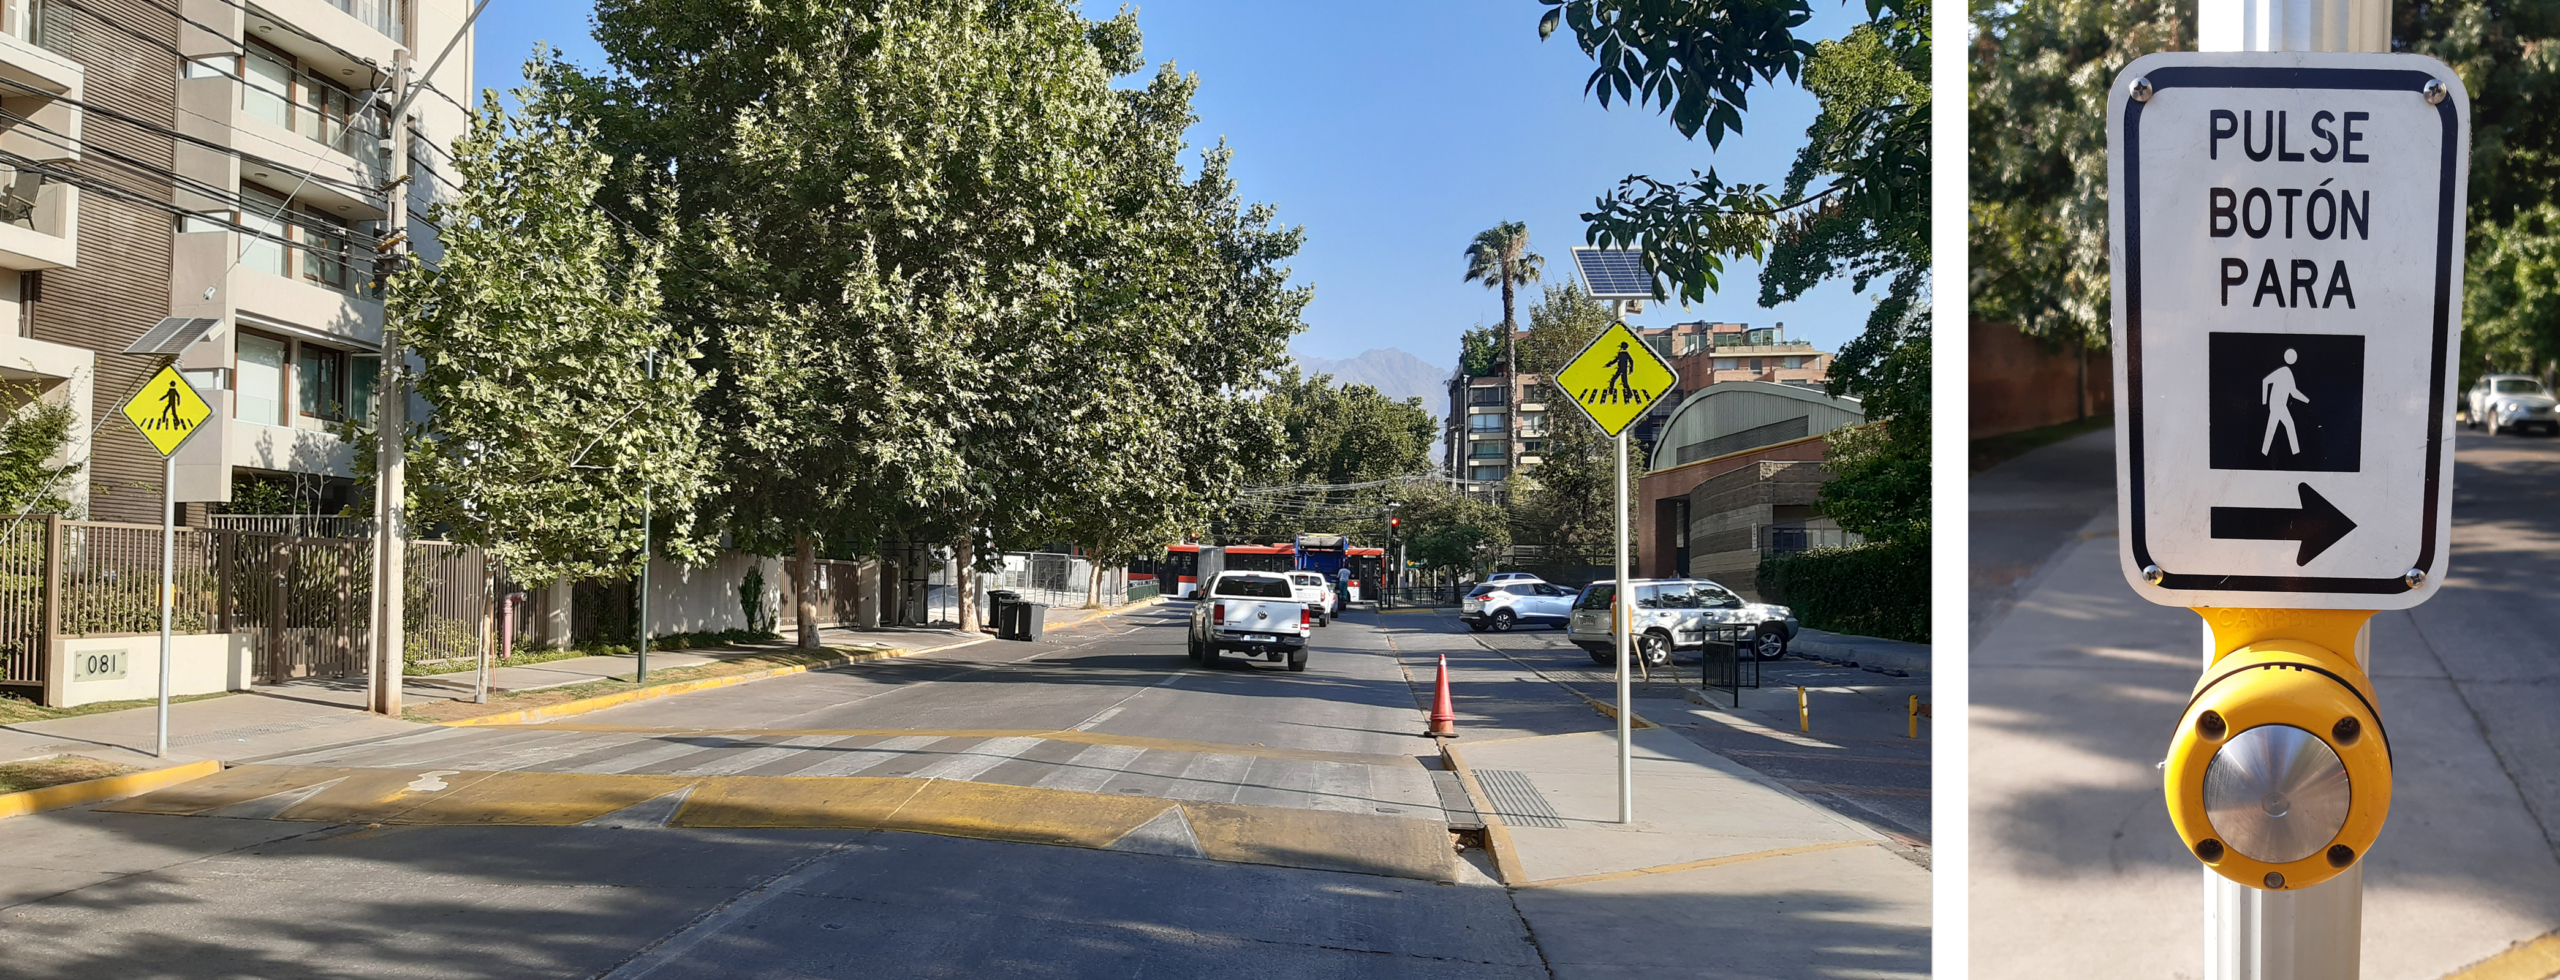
[(803, 577), (1093, 587), (964, 579)]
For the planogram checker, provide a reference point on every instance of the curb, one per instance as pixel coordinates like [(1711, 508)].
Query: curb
[(1497, 835), (600, 702), (103, 788), (1605, 708)]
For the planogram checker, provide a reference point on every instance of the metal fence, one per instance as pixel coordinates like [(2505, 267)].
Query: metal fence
[(1730, 662), (303, 602), (297, 525)]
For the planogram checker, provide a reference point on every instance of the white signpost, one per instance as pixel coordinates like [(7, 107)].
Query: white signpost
[(2287, 236)]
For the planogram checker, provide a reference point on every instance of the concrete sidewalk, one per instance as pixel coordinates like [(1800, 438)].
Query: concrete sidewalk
[(2076, 684), (1864, 651), (311, 713), (1723, 873)]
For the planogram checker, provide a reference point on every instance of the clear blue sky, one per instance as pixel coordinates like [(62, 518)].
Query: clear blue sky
[(1394, 131)]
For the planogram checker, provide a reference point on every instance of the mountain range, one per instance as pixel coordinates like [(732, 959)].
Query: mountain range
[(1394, 373)]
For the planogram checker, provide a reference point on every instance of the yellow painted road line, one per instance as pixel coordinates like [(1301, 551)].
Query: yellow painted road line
[(1051, 734), (1281, 836), (103, 788), (584, 705), (1864, 760), (2533, 959), (1695, 865)]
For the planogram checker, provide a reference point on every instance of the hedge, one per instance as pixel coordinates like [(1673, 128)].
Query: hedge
[(1870, 590)]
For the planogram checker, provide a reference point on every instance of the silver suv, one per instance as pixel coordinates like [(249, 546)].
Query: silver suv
[(1500, 606), (1674, 614)]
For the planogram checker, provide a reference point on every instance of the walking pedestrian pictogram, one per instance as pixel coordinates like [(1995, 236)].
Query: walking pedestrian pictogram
[(1616, 378), (167, 410), (2278, 392)]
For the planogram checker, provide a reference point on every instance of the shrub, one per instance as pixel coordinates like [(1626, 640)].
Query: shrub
[(1877, 590)]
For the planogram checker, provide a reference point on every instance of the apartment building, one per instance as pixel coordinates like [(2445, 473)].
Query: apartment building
[(1493, 428), (222, 159)]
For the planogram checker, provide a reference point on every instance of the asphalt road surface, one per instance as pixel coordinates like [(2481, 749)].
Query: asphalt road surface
[(1259, 781)]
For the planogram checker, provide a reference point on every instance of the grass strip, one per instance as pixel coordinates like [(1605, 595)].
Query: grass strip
[(441, 711), (15, 711), (19, 777)]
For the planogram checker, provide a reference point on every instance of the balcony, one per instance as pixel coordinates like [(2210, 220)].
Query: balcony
[(30, 46), (335, 33), (39, 221)]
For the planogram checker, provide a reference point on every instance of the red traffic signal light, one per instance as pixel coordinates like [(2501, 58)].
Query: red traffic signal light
[(1395, 522)]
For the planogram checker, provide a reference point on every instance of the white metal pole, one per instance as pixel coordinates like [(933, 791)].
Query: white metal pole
[(1626, 617), (2314, 933), (168, 585)]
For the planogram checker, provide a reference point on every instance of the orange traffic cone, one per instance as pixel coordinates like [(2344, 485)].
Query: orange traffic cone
[(1444, 718)]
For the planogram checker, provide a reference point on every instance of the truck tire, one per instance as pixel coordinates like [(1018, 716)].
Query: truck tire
[(1323, 618), (1298, 660), (1209, 655)]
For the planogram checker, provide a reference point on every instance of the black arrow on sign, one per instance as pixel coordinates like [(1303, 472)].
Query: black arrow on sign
[(2317, 524)]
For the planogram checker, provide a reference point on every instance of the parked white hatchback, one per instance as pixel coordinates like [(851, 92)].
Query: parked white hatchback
[(1500, 606)]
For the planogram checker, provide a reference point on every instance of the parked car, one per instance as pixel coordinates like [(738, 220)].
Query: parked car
[(1514, 577), (1255, 613), (1674, 614), (1500, 606), (1319, 593), (2510, 402)]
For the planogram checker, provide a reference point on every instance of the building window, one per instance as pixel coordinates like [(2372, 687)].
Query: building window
[(1533, 423), (1488, 422), (262, 246), (323, 376), (1487, 449), (324, 250), (258, 379), (361, 372), (1533, 446), (30, 292), (1488, 474), (1484, 395), (273, 87), (266, 90)]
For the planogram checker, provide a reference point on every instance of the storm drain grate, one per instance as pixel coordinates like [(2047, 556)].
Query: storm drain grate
[(1517, 799)]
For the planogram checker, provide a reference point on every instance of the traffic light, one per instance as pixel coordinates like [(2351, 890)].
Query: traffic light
[(2279, 775), (1394, 523)]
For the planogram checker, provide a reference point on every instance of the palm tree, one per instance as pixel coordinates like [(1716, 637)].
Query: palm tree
[(1500, 258)]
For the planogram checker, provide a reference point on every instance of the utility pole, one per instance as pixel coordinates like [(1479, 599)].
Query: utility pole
[(391, 425)]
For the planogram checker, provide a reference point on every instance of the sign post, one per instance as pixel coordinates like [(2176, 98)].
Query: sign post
[(2287, 237), (167, 410), (1615, 380)]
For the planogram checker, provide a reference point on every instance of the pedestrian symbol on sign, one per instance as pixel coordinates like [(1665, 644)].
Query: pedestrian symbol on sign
[(2277, 391), (1616, 378)]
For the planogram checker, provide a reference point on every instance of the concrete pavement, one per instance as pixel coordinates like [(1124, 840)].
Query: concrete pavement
[(1724, 872), (2075, 869)]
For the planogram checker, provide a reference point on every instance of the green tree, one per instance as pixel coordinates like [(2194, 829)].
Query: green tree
[(1869, 222), (1337, 439), (1480, 351), (1500, 259), (1452, 531), (937, 257), (533, 336), (38, 432)]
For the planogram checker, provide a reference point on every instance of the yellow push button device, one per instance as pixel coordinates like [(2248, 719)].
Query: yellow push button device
[(2279, 776)]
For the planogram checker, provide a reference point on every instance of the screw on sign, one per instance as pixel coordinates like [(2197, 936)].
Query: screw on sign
[(2287, 233)]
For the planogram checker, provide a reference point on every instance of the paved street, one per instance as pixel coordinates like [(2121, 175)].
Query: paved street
[(2076, 871), (1089, 805)]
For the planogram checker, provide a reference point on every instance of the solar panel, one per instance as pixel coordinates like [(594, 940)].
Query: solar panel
[(1613, 273), (172, 335)]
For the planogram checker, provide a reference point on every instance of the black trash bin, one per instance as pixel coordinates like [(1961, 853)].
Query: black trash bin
[(999, 604), (1029, 617)]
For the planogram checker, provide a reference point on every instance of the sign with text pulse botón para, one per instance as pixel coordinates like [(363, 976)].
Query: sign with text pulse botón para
[(2286, 233)]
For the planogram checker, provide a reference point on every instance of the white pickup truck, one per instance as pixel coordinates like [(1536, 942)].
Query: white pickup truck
[(1255, 613)]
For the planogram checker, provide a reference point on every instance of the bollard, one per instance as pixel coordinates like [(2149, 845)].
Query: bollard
[(1804, 711), (1915, 717)]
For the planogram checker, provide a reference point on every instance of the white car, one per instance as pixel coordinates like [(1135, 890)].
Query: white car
[(1501, 606), (1254, 613), (2510, 402), (1514, 577), (1320, 595), (1675, 614)]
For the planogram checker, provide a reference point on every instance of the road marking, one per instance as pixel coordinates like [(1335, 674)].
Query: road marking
[(1804, 786), (1755, 728), (737, 762), (975, 760), (1695, 865), (1088, 770), (429, 782), (1106, 715), (1864, 760), (2533, 959), (857, 760), (662, 752), (266, 807)]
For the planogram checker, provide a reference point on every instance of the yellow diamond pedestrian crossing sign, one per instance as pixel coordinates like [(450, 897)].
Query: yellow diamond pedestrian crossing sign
[(167, 410), (1616, 378)]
